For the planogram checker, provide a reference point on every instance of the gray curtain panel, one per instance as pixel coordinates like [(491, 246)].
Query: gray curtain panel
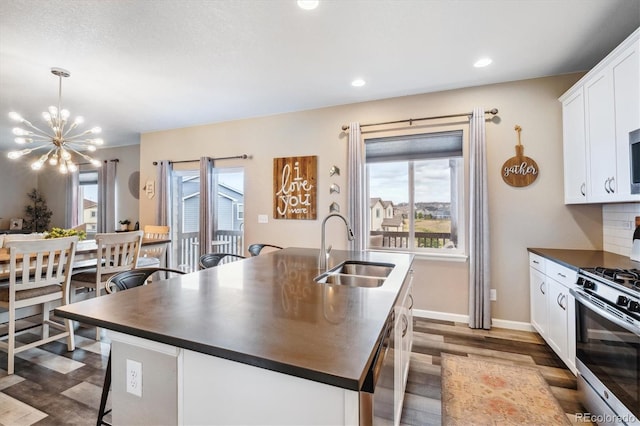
[(357, 203), (107, 196), (479, 276), (163, 193), (71, 214), (207, 202)]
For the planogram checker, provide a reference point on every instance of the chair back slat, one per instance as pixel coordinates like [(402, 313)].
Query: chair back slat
[(118, 251), (40, 263)]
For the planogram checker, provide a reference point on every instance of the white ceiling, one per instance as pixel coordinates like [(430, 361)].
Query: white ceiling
[(140, 65)]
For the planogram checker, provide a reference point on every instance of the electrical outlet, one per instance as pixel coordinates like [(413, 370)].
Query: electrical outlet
[(134, 378), (263, 218), (493, 295)]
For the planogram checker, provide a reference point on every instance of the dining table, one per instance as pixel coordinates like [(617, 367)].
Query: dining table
[(85, 255)]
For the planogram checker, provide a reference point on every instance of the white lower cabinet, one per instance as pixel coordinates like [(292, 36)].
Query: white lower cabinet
[(553, 307), (403, 341)]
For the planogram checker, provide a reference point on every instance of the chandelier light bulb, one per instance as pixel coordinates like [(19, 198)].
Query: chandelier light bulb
[(62, 142)]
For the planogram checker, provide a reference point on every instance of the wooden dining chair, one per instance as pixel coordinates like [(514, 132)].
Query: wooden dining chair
[(209, 260), (255, 249), (120, 282), (117, 252), (155, 256), (40, 273)]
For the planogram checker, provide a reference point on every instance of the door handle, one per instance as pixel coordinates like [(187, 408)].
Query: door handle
[(582, 189), (541, 289), (606, 182)]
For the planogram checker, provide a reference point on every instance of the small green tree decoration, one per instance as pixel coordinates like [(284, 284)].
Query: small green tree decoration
[(37, 213)]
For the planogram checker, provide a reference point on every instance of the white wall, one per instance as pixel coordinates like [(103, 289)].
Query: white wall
[(16, 181), (534, 216)]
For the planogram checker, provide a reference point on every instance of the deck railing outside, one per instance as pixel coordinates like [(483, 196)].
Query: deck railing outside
[(399, 239), (188, 248)]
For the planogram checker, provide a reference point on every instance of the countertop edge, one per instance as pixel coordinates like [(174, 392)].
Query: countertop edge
[(253, 360), (577, 259)]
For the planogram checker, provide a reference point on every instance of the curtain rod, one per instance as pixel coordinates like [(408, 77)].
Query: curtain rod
[(243, 156), (492, 111), (115, 160)]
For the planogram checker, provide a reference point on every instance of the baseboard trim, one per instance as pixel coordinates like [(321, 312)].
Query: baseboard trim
[(446, 316)]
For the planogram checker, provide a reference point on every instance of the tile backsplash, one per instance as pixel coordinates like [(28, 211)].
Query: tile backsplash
[(618, 225)]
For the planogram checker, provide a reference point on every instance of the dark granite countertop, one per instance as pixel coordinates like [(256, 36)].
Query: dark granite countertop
[(265, 311), (577, 259)]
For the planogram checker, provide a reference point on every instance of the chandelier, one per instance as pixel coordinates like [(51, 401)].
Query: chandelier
[(63, 146)]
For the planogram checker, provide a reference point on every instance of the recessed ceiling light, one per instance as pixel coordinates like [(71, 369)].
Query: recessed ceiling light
[(308, 4), (482, 62), (358, 82)]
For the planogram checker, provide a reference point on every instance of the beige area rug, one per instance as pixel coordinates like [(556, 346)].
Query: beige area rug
[(478, 392)]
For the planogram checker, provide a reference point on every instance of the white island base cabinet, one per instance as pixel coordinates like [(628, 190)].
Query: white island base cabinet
[(184, 387), (222, 392)]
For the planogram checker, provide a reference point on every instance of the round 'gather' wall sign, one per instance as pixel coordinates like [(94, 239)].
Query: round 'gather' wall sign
[(519, 170)]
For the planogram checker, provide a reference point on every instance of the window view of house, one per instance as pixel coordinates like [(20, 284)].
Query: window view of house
[(415, 193), (229, 216), (88, 201)]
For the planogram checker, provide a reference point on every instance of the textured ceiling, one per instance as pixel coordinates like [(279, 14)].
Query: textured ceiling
[(139, 65)]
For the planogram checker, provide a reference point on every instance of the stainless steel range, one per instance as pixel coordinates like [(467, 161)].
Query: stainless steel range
[(608, 344)]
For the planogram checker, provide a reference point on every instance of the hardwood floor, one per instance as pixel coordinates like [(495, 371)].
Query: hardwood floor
[(432, 338), (54, 387)]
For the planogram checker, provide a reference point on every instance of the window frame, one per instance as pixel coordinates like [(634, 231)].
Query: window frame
[(460, 253)]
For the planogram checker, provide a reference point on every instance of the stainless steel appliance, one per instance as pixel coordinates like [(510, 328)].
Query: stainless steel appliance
[(376, 395), (608, 344), (634, 163)]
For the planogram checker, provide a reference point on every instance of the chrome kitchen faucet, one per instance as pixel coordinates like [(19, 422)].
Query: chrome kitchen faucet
[(324, 252)]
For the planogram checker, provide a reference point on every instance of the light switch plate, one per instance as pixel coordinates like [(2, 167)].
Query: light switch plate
[(263, 218)]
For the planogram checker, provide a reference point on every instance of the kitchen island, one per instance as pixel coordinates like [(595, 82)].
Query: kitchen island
[(256, 341)]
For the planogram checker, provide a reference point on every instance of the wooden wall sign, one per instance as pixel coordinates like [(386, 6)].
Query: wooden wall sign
[(295, 187), (519, 170)]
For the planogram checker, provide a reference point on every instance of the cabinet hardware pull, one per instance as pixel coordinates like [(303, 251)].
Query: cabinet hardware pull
[(582, 189), (558, 300), (605, 186), (405, 326), (536, 262), (411, 305), (611, 188), (541, 290), (562, 275), (562, 299)]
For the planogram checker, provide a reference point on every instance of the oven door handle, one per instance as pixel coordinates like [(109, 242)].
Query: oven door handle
[(586, 301)]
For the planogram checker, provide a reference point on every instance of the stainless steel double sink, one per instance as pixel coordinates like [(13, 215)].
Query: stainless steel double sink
[(354, 273)]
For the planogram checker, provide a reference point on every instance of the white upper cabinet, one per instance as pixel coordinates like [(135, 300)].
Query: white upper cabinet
[(598, 113), (574, 148)]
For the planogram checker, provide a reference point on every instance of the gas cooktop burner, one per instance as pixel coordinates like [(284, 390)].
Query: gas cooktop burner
[(629, 278)]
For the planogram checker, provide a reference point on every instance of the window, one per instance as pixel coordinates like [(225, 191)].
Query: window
[(88, 200), (240, 211), (418, 181)]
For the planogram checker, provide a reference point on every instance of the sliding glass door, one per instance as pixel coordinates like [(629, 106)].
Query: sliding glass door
[(228, 219)]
